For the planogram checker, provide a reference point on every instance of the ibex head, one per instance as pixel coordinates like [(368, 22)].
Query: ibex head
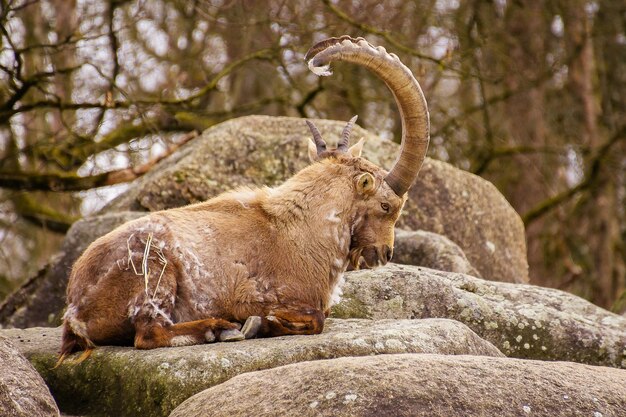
[(375, 206), (379, 195)]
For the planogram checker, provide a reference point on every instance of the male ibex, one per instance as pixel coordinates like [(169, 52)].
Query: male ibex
[(270, 258)]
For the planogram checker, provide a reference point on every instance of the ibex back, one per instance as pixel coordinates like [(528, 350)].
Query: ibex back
[(270, 258)]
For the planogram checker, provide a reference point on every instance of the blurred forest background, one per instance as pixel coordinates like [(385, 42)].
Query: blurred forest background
[(529, 95)]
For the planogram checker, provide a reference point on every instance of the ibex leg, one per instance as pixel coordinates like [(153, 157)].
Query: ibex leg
[(153, 334), (288, 321)]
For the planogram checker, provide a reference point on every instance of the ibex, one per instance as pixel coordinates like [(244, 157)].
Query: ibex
[(270, 258)]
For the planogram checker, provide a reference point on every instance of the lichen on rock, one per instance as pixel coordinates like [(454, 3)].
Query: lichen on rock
[(523, 321), (417, 385), (23, 393)]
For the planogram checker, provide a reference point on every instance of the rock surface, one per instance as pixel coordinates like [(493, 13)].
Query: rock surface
[(41, 300), (472, 213), (417, 385), (23, 393), (521, 320), (430, 250), (154, 382), (263, 150)]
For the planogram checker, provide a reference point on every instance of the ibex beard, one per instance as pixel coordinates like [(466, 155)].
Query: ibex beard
[(271, 259)]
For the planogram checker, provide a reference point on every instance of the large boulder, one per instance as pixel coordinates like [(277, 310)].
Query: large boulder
[(263, 150), (40, 301), (23, 393), (154, 382), (523, 321), (417, 385)]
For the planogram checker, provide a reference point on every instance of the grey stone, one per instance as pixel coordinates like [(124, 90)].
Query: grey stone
[(232, 335), (154, 382), (251, 327), (417, 385), (430, 250), (472, 213), (23, 393), (523, 321)]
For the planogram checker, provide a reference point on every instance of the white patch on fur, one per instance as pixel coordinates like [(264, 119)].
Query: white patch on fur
[(322, 71), (152, 226), (337, 291), (355, 224), (270, 192), (78, 327), (343, 242), (133, 310), (157, 311), (183, 341), (190, 260), (70, 312), (120, 263), (197, 262), (332, 216), (244, 197)]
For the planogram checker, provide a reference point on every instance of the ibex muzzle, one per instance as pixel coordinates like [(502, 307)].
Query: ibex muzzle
[(271, 259)]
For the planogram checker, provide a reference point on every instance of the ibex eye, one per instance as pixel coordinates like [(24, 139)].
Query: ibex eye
[(385, 207)]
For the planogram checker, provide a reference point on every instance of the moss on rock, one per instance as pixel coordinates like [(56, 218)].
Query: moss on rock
[(123, 381)]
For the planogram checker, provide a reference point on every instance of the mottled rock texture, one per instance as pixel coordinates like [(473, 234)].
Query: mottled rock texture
[(23, 393), (417, 385), (122, 381), (523, 321)]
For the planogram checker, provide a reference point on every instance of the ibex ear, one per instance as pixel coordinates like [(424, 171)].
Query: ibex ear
[(356, 149), (365, 183), (312, 151)]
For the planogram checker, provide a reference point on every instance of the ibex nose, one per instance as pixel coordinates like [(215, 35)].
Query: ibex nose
[(388, 252)]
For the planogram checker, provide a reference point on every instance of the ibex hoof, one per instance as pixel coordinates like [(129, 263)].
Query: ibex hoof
[(209, 336), (231, 335), (251, 327)]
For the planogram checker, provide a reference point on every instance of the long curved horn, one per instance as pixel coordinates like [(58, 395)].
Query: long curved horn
[(320, 144), (342, 146), (405, 88)]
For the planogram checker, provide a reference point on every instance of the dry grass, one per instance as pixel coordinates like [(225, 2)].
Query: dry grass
[(145, 270)]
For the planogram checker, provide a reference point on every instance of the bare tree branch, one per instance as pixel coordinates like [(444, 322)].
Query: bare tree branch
[(595, 165), (42, 215), (385, 35), (7, 112), (72, 182)]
